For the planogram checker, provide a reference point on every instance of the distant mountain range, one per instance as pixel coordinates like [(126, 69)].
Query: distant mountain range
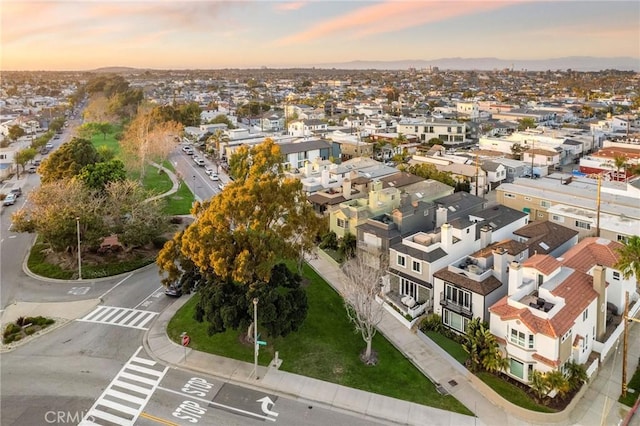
[(578, 63)]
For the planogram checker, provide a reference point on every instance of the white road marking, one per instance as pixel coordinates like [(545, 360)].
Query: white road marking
[(116, 406), (226, 407), (155, 293), (113, 315), (112, 288)]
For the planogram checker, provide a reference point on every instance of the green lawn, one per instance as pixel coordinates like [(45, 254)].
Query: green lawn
[(451, 347), (634, 384), (325, 347), (180, 202), (110, 140), (512, 393)]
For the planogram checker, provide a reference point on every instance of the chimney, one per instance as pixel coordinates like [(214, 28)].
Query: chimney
[(441, 216), (500, 264), (346, 189), (324, 178), (308, 168), (600, 287), (515, 277), (446, 237), (485, 236)]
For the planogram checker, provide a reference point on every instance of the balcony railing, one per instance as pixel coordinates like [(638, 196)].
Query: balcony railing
[(455, 306)]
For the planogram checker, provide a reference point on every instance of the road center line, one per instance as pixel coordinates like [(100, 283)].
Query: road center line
[(120, 282), (158, 419), (259, 416), (146, 298)]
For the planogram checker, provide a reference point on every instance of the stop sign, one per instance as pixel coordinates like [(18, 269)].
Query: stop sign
[(186, 340)]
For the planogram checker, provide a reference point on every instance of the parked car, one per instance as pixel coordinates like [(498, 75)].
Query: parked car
[(221, 186), (16, 191), (49, 145), (173, 291), (199, 161), (10, 199), (214, 177), (36, 162), (187, 149), (32, 169), (208, 171)]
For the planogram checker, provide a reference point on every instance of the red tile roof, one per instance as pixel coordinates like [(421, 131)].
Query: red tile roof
[(590, 252), (549, 362), (577, 291), (543, 263)]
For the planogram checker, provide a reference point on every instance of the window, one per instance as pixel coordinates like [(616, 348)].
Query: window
[(516, 368), (623, 238), (546, 204), (566, 336), (585, 314), (583, 225), (616, 275), (416, 266), (556, 218), (507, 195), (527, 198), (401, 261), (408, 288), (517, 337), (540, 214), (341, 223), (530, 345), (455, 321), (458, 296)]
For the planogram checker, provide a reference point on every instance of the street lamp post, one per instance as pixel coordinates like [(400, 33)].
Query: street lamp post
[(194, 189), (255, 337), (79, 255)]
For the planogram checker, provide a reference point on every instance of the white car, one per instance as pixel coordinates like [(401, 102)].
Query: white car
[(208, 171), (214, 177), (199, 161), (221, 186), (187, 150), (10, 199)]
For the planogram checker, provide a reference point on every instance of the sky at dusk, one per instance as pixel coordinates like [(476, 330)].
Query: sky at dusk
[(179, 34)]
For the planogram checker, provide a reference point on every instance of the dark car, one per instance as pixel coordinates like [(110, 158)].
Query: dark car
[(173, 291)]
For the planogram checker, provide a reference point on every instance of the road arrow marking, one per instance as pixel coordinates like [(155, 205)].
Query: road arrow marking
[(266, 401)]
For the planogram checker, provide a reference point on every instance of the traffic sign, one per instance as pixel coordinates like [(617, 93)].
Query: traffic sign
[(186, 340), (262, 343)]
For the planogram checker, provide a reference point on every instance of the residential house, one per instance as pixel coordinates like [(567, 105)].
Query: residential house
[(545, 237), (496, 173), (514, 168), (305, 128), (297, 154), (450, 132), (552, 315), (349, 214)]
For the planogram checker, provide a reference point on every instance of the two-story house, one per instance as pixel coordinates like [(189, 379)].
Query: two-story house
[(551, 315), (305, 128), (298, 154)]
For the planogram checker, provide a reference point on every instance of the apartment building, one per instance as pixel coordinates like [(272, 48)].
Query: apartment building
[(450, 132)]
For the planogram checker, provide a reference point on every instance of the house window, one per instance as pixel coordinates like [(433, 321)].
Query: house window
[(401, 261), (341, 223), (455, 321), (527, 198), (616, 275), (507, 195), (623, 238), (585, 314), (416, 266), (408, 288), (583, 225), (556, 218), (517, 337), (546, 204), (540, 214), (566, 336), (530, 343), (516, 368), (458, 296)]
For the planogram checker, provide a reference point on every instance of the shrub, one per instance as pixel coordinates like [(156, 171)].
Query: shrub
[(329, 241), (11, 329), (432, 322), (158, 242), (29, 330), (20, 321), (17, 337), (8, 339), (176, 220)]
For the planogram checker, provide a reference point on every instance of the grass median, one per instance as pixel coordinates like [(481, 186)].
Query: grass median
[(326, 348)]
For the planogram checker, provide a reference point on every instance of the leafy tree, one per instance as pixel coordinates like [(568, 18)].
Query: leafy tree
[(576, 374), (329, 241), (190, 114), (23, 157), (16, 132), (556, 380), (243, 232), (222, 119), (361, 285), (56, 124), (125, 104), (98, 175), (539, 385), (106, 153), (68, 160), (282, 303), (517, 150), (98, 110), (347, 246), (482, 347), (429, 171), (629, 259), (526, 123)]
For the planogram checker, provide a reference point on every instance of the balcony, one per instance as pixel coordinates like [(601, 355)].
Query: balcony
[(454, 306)]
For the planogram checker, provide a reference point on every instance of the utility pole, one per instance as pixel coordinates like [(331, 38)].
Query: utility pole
[(477, 174), (79, 254), (255, 338)]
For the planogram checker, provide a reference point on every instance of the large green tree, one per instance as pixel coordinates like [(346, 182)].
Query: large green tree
[(243, 232), (16, 132), (23, 157), (99, 175), (68, 160)]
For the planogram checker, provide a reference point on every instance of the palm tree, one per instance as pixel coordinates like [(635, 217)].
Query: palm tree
[(556, 380), (619, 162), (539, 385), (576, 374), (629, 259)]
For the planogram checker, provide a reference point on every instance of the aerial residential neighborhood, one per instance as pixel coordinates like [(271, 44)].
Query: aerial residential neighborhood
[(232, 228)]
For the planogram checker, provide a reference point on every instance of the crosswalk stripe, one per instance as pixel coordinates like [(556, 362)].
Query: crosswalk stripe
[(144, 370), (120, 404), (125, 396), (124, 317)]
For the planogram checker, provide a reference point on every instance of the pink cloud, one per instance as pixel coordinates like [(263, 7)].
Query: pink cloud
[(289, 6), (389, 17)]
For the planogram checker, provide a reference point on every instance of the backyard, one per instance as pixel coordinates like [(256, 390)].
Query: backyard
[(325, 347)]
